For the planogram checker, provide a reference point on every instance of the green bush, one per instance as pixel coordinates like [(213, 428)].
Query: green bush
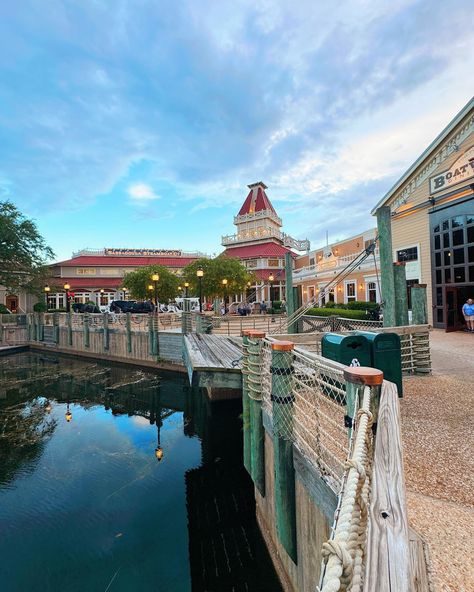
[(337, 312), (3, 309), (39, 307), (57, 310), (331, 305), (276, 304), (361, 305)]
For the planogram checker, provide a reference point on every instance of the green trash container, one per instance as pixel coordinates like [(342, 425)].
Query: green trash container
[(346, 348), (386, 355)]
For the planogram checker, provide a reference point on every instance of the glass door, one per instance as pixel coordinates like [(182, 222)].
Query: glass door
[(451, 309)]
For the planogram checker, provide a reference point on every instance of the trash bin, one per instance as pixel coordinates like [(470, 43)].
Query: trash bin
[(386, 355), (346, 348)]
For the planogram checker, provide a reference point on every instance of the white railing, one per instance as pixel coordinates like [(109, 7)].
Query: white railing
[(332, 263)]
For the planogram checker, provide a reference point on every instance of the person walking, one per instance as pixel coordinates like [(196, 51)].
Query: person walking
[(468, 312)]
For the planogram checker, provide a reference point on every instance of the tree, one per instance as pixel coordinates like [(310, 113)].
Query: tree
[(23, 251), (215, 270), (138, 281)]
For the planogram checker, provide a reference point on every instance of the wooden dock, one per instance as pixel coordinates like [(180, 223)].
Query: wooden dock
[(213, 361)]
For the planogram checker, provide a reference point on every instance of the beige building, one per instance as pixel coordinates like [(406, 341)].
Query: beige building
[(336, 273), (432, 220)]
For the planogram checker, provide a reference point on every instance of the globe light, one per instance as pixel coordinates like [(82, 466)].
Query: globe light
[(155, 277), (67, 286), (47, 289), (200, 272)]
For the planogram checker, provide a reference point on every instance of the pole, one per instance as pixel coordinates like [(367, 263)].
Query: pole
[(68, 305), (384, 226), (156, 294), (289, 292), (401, 299), (200, 294)]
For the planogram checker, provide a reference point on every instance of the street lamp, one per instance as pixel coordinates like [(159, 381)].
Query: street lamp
[(68, 414), (186, 286), (224, 283), (67, 287), (124, 290), (155, 277), (271, 279), (200, 273), (47, 290)]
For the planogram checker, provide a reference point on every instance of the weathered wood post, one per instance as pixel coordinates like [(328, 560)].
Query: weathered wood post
[(156, 336), (128, 327), (151, 341), (401, 298), (360, 377), (69, 327), (246, 403), (105, 318), (283, 398), (216, 307), (56, 327), (419, 304), (257, 432), (289, 292), (384, 226), (86, 329), (186, 322), (353, 396)]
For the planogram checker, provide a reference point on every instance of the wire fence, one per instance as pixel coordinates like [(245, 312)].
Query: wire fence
[(138, 322)]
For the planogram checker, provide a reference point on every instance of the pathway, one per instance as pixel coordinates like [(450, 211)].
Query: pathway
[(438, 443)]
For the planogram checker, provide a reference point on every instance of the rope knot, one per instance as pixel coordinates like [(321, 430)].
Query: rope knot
[(333, 547), (353, 463)]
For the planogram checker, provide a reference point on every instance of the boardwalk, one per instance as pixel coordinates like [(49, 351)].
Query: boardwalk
[(213, 360)]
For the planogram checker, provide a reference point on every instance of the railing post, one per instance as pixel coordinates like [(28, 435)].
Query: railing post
[(156, 336), (400, 296), (186, 322), (246, 403), (69, 328), (128, 325), (56, 327), (257, 432), (85, 329), (282, 397), (105, 318), (151, 341), (361, 376), (419, 306)]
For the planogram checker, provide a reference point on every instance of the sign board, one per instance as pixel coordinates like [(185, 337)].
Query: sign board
[(143, 252), (461, 169)]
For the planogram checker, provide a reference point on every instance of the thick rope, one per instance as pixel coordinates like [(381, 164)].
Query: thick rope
[(343, 554)]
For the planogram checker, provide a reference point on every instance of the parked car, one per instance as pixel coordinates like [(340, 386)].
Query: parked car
[(119, 306), (85, 307)]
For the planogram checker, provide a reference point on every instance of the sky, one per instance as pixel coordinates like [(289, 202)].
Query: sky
[(139, 123)]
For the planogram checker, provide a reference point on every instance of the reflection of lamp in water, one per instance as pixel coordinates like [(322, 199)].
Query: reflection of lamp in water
[(159, 450), (48, 407), (68, 415)]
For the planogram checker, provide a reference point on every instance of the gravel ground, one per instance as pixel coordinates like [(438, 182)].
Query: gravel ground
[(437, 413)]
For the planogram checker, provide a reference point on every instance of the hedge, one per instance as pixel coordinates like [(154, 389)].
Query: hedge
[(337, 312)]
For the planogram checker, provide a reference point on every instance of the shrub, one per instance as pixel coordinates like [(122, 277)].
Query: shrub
[(3, 309), (331, 305), (337, 312), (276, 304), (361, 305), (39, 307)]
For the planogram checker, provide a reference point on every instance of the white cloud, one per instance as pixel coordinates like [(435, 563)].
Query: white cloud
[(141, 193)]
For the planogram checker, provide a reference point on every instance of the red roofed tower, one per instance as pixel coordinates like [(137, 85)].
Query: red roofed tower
[(260, 244)]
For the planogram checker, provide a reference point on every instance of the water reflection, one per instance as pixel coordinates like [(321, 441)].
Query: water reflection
[(121, 478)]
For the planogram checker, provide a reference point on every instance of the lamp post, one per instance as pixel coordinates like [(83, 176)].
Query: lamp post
[(68, 414), (47, 290), (186, 286), (200, 273), (271, 279), (67, 287), (155, 277), (224, 283), (101, 294), (159, 454), (124, 290), (150, 289)]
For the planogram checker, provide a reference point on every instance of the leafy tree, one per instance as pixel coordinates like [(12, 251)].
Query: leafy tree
[(215, 270), (137, 283), (23, 251)]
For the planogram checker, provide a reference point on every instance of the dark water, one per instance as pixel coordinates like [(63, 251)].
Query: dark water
[(86, 505)]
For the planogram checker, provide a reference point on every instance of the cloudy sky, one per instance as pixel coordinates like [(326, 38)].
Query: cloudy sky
[(139, 123)]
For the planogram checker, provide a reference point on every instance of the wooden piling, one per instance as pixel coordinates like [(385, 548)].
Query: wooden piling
[(105, 318), (246, 404), (128, 327), (401, 298), (289, 292), (282, 397), (419, 304), (85, 328), (384, 226), (257, 432)]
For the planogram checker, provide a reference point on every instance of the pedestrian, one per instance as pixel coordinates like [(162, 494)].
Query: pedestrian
[(468, 312), (263, 307)]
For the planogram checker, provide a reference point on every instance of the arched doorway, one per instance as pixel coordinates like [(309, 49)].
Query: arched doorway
[(11, 302)]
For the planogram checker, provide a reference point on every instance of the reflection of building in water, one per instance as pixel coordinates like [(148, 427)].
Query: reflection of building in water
[(225, 546)]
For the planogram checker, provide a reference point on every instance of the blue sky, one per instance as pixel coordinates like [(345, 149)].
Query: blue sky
[(140, 123)]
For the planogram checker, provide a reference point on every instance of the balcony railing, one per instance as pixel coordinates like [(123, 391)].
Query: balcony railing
[(332, 264)]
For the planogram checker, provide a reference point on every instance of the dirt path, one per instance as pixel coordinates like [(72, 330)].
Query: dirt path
[(437, 426)]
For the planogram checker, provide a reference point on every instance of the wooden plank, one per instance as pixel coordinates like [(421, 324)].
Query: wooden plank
[(421, 582), (388, 555)]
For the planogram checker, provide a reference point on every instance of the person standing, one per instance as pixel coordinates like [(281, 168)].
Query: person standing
[(468, 312)]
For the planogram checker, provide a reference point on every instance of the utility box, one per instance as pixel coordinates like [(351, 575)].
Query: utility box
[(386, 355), (345, 348)]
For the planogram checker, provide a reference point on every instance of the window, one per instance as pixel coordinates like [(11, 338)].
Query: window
[(312, 261), (273, 263), (331, 295), (86, 271), (311, 292), (372, 292), (410, 254), (350, 292)]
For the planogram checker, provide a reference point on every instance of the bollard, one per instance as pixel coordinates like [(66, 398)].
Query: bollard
[(246, 403), (86, 333), (128, 327), (282, 397), (257, 432), (360, 377)]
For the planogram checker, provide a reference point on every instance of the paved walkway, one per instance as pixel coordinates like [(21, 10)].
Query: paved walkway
[(437, 414)]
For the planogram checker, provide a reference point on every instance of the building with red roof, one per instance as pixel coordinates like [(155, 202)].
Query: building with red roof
[(261, 245), (97, 275)]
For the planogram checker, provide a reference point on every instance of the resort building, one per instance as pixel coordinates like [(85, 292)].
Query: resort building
[(337, 273), (427, 221), (97, 276), (261, 245)]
